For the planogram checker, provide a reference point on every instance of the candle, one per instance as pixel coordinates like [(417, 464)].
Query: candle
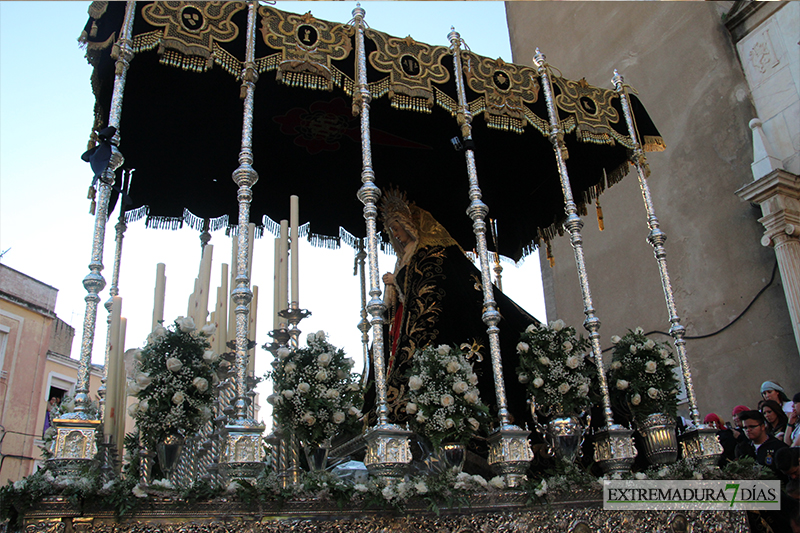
[(204, 284), (119, 435), (160, 293), (276, 284), (294, 220), (251, 331), (284, 272), (109, 417), (192, 306)]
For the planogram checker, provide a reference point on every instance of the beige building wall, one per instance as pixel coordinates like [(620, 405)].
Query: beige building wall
[(34, 362), (681, 59)]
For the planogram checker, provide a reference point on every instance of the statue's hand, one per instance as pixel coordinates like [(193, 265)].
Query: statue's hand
[(388, 278)]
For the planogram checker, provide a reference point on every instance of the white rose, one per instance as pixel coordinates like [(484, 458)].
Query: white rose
[(321, 375), (616, 365), (446, 400), (133, 389), (332, 394), (206, 414), (208, 330), (421, 418), (324, 359), (320, 335), (640, 475), (615, 339), (664, 353), (143, 379), (473, 379), (523, 347), (653, 393), (622, 384), (544, 360), (649, 344), (497, 481), (415, 383), (669, 362), (360, 487), (472, 396), (353, 387), (632, 348), (338, 417), (303, 387), (284, 352), (200, 384), (583, 389), (133, 409), (474, 424), (309, 418), (538, 382), (448, 423), (159, 333), (453, 367), (567, 346), (411, 408), (137, 353), (637, 399), (174, 364), (421, 487), (563, 388), (288, 394), (353, 412), (178, 398), (443, 349), (144, 405), (573, 361), (138, 492), (289, 367), (272, 399), (523, 378), (210, 357), (557, 325), (186, 324), (460, 387), (531, 328), (650, 367), (349, 363)]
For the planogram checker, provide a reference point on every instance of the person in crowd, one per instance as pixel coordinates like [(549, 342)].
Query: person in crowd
[(714, 420), (732, 435), (775, 417), (760, 445), (792, 435), (772, 390), (788, 462)]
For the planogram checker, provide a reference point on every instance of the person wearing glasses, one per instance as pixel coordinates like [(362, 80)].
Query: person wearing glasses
[(760, 445)]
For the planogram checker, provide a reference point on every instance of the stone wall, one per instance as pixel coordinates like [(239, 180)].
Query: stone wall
[(680, 58)]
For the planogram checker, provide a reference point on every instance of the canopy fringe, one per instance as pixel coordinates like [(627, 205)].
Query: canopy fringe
[(136, 214), (160, 222)]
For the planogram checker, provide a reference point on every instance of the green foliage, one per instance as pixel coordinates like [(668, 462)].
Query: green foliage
[(641, 375), (557, 368), (444, 402)]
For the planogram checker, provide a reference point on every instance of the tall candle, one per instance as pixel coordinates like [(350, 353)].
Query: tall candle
[(284, 279), (222, 312), (192, 306), (294, 221), (276, 286), (119, 435), (160, 293), (109, 425), (204, 278)]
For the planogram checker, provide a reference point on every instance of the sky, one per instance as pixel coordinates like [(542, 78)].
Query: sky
[(45, 227)]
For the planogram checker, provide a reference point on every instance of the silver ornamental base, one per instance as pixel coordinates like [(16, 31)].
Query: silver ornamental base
[(701, 444), (510, 454), (388, 452), (659, 439), (614, 450), (75, 446), (242, 455)]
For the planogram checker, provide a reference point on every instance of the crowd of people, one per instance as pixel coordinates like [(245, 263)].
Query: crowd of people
[(771, 436)]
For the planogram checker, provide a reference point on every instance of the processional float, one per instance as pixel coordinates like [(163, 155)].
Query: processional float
[(322, 103)]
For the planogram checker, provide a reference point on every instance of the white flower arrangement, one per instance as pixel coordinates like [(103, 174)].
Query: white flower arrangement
[(171, 380), (641, 375), (444, 397), (555, 366), (318, 392)]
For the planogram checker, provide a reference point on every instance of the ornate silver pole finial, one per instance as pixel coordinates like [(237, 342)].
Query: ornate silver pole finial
[(75, 439), (388, 445), (613, 446), (699, 440), (242, 456), (510, 451)]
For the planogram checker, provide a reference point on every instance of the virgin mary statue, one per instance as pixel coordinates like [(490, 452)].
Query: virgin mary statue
[(434, 297)]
